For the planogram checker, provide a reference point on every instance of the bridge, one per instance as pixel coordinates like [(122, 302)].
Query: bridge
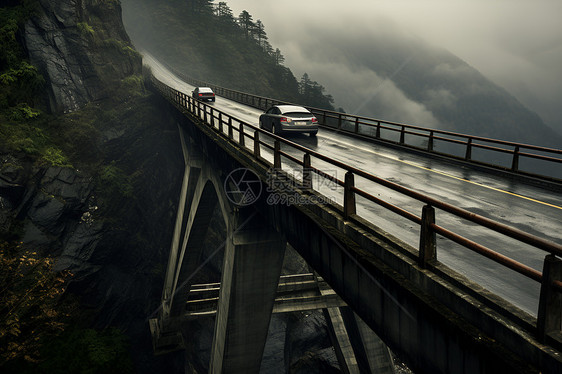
[(272, 191)]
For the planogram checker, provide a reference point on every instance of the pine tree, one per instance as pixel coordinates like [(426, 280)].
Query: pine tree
[(245, 21), (259, 34), (278, 57)]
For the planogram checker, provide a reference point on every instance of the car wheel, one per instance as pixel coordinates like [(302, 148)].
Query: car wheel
[(313, 134)]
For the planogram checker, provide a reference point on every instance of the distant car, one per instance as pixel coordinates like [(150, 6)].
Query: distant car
[(203, 94), (289, 118)]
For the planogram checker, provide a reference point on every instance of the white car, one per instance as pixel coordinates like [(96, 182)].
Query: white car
[(289, 119)]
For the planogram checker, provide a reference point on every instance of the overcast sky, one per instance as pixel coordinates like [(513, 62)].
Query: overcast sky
[(515, 43)]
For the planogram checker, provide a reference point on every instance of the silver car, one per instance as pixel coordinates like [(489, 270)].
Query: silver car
[(289, 118), (203, 94)]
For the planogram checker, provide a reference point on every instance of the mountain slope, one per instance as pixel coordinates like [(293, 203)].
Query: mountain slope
[(391, 75), (211, 45), (387, 74)]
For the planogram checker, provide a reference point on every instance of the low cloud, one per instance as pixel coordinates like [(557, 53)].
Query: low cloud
[(515, 43)]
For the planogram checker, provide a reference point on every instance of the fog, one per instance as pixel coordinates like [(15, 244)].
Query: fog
[(515, 43)]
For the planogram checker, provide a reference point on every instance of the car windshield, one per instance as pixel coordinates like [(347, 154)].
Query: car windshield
[(205, 90)]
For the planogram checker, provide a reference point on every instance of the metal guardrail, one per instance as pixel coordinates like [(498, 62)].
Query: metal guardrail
[(238, 132), (474, 149)]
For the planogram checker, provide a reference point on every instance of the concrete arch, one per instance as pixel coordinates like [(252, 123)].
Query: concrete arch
[(253, 257), (203, 190)]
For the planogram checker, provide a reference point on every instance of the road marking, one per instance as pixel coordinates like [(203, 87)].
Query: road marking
[(440, 172), (448, 175)]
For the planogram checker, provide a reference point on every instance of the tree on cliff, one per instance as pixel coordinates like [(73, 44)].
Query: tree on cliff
[(200, 6), (246, 23), (19, 80), (30, 292), (312, 93)]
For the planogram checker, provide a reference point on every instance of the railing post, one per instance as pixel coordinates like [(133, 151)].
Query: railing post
[(220, 123), (357, 125), (468, 154), (550, 300), (402, 135), (241, 138), (256, 144), (307, 172), (339, 121), (428, 247), (378, 133), (230, 134), (277, 155), (324, 118), (212, 117), (205, 115), (430, 142), (515, 163), (349, 195)]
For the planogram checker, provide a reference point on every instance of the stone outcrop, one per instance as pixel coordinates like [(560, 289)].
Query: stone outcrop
[(80, 47)]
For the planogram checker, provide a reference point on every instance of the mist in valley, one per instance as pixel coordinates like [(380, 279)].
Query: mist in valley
[(368, 55)]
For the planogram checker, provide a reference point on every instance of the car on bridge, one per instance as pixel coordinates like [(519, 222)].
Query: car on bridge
[(203, 94), (289, 119)]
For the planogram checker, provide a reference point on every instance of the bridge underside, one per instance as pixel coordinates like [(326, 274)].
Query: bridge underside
[(434, 319)]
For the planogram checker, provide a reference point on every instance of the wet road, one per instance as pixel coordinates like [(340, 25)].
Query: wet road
[(528, 208)]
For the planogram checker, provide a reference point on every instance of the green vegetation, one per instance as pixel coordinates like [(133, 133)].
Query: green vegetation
[(207, 42), (19, 80), (114, 183), (35, 320), (40, 330), (86, 351), (30, 311), (22, 124), (85, 29)]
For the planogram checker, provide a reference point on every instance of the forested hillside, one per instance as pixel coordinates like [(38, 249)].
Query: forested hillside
[(206, 41)]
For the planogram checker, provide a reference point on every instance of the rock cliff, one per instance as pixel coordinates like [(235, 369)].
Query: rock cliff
[(109, 218), (81, 47)]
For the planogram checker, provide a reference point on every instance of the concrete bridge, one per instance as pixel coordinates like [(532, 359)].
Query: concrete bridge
[(435, 319)]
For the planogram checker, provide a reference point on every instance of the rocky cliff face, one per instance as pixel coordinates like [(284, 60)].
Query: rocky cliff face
[(81, 47), (109, 222), (115, 246)]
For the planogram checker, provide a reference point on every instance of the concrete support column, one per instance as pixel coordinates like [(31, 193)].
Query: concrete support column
[(339, 336), (193, 163), (252, 265), (377, 353), (371, 353), (340, 340)]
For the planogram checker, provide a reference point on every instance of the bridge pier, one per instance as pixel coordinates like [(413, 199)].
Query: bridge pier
[(253, 258), (252, 265)]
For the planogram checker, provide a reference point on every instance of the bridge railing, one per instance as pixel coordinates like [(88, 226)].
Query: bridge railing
[(257, 142), (530, 160)]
